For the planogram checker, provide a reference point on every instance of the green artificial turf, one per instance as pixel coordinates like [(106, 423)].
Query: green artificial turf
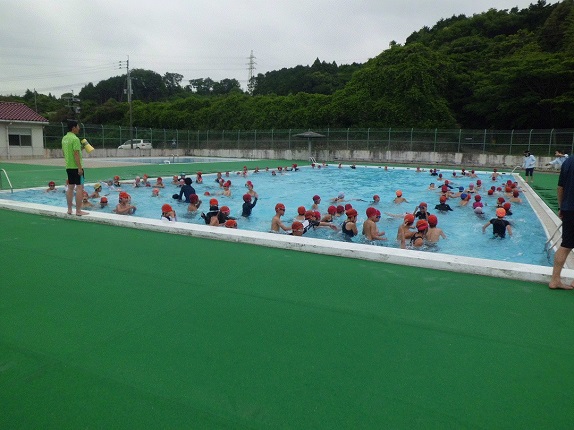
[(108, 327)]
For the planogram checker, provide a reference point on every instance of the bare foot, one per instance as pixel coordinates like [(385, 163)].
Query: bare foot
[(69, 212), (560, 286), (82, 213)]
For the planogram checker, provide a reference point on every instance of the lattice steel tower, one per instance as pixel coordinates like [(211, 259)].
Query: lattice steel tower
[(250, 81)]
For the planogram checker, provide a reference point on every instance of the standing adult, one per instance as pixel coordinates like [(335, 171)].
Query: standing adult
[(559, 160), (528, 164), (72, 149), (565, 195)]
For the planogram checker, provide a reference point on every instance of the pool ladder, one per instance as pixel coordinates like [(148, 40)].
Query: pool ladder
[(312, 160), (174, 158), (8, 179)]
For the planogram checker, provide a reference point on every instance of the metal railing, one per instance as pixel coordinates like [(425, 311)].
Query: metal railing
[(8, 179), (505, 142)]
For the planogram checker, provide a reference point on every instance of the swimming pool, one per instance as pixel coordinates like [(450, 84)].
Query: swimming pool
[(174, 159), (462, 227)]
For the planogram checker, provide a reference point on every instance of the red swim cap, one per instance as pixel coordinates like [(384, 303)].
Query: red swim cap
[(371, 211), (297, 225), (422, 225), (231, 223), (351, 213)]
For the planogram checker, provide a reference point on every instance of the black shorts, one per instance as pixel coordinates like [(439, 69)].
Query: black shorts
[(568, 229), (74, 177), (529, 172)]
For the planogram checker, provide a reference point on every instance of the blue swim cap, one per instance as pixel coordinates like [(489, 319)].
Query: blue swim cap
[(461, 188), (463, 196)]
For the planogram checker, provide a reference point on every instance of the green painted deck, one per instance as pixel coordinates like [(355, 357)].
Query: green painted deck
[(106, 327)]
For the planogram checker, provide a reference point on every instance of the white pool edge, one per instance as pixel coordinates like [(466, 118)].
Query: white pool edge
[(404, 257)]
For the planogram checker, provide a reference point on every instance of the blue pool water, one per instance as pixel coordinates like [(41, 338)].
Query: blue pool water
[(462, 226), (172, 160)]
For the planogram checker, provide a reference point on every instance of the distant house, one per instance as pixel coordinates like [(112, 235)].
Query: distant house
[(21, 131)]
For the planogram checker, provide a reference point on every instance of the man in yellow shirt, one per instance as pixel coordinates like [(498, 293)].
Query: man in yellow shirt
[(72, 149)]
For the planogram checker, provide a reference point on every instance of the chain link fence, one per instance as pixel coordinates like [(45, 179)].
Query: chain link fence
[(504, 142)]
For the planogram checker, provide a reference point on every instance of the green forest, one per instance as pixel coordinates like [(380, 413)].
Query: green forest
[(500, 69)]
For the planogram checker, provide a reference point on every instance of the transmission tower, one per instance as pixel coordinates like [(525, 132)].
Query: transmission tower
[(251, 80)]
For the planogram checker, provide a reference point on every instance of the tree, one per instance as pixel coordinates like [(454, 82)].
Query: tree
[(403, 86), (559, 25), (526, 90), (172, 83), (148, 86), (111, 112), (226, 86)]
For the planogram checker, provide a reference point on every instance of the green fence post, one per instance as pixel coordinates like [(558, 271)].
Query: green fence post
[(348, 138), (368, 137), (511, 139)]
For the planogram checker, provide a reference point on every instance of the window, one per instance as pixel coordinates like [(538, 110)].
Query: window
[(20, 136)]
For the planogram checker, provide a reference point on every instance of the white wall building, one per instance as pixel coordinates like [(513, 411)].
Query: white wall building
[(21, 131)]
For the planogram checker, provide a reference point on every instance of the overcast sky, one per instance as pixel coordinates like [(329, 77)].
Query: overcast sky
[(58, 46)]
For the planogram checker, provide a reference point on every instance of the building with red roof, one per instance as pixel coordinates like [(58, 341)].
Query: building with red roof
[(21, 131)]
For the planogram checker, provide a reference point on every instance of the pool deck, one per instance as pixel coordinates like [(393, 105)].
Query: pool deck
[(103, 326)]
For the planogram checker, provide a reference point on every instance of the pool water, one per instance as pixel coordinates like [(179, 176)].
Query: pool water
[(173, 160), (462, 226)]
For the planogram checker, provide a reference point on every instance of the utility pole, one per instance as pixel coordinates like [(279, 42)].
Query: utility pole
[(129, 91), (250, 81)]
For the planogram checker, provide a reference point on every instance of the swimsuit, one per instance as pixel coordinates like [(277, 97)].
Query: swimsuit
[(349, 233), (499, 227)]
